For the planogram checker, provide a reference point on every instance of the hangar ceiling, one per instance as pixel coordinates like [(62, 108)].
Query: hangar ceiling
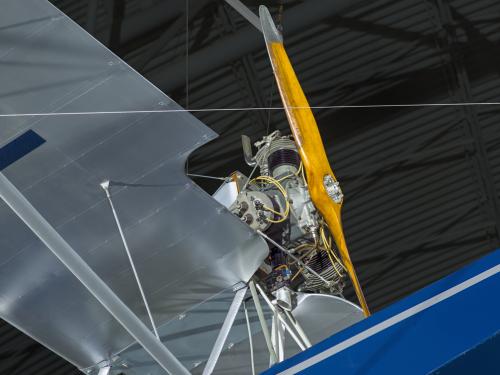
[(421, 182)]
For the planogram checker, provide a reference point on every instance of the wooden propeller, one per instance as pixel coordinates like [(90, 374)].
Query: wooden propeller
[(323, 186)]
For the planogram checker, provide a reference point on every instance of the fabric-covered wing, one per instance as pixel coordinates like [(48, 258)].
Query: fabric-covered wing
[(187, 247)]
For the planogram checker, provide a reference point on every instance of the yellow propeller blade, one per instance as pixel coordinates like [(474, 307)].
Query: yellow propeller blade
[(323, 185)]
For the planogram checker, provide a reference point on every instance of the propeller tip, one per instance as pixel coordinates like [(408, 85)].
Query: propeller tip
[(271, 32)]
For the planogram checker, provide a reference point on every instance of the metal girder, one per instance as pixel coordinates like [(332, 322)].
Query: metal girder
[(391, 32), (233, 47), (91, 16), (462, 89), (147, 20), (117, 16), (95, 285), (244, 70), (169, 33)]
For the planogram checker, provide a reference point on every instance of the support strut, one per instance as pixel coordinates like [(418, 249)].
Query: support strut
[(90, 280)]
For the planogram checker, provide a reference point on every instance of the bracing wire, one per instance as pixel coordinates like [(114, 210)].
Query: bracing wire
[(243, 109), (187, 53)]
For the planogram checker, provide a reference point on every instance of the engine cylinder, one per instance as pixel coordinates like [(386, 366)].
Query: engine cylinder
[(282, 157), (283, 162)]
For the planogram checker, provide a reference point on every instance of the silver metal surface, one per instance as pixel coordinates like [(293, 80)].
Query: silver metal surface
[(247, 150), (262, 320), (273, 308), (278, 339), (250, 341), (268, 27), (98, 288), (274, 339), (227, 193), (50, 65), (104, 370), (280, 330), (106, 185), (298, 328), (333, 189), (224, 331), (320, 316), (284, 298), (191, 337)]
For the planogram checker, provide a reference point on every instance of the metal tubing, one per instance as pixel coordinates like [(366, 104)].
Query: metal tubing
[(104, 370), (281, 340), (274, 339), (224, 331), (299, 329), (289, 253), (262, 319), (250, 340), (105, 185), (91, 16), (283, 320), (98, 288)]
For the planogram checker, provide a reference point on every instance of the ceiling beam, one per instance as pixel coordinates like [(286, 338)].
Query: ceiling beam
[(246, 13), (170, 77), (143, 22)]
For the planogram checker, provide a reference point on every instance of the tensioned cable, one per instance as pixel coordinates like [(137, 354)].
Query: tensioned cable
[(206, 176), (187, 53), (242, 109)]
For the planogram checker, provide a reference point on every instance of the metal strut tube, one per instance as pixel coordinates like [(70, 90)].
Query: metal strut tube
[(302, 344), (95, 285), (105, 185), (262, 319), (224, 331), (250, 340), (299, 328)]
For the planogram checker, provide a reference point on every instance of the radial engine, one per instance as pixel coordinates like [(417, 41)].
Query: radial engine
[(277, 204)]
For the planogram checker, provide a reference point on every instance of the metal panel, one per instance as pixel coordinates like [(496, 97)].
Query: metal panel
[(49, 64), (191, 336), (320, 315)]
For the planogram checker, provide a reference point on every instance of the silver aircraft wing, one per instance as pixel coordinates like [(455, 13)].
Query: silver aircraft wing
[(80, 116)]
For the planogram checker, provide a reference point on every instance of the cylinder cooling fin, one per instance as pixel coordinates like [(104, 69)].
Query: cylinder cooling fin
[(283, 160)]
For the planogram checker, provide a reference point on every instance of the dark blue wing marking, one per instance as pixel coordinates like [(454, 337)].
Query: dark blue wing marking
[(19, 147)]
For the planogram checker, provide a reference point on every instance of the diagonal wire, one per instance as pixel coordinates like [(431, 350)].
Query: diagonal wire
[(242, 109)]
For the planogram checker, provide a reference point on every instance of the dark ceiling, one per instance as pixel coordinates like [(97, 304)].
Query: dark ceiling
[(421, 182)]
